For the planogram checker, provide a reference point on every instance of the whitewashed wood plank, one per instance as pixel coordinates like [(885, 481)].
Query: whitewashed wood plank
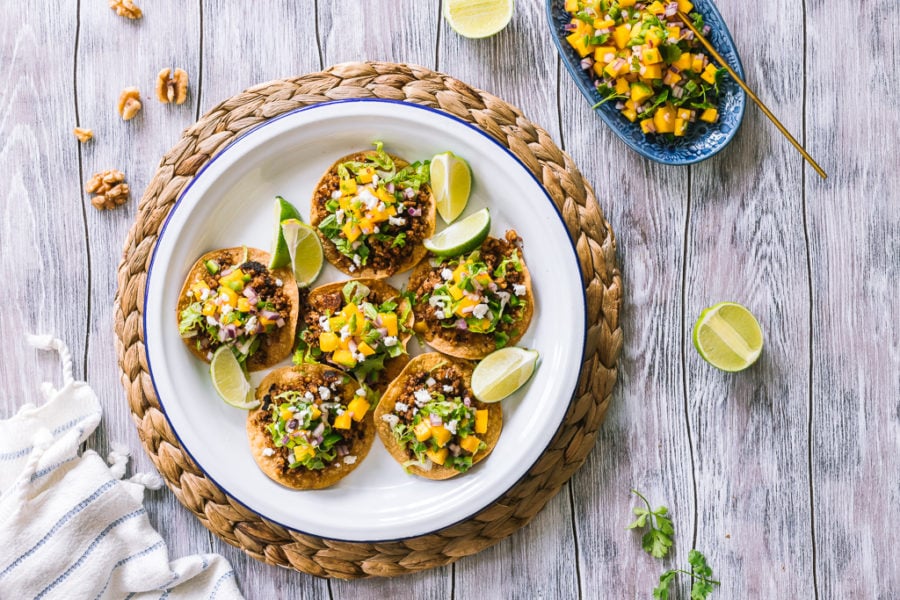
[(403, 32), (643, 443), (245, 44), (746, 244), (43, 261), (115, 53), (539, 560), (854, 235)]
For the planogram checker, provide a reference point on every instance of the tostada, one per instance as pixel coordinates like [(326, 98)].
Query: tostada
[(470, 305), (312, 428), (372, 211), (431, 423), (361, 326), (230, 298)]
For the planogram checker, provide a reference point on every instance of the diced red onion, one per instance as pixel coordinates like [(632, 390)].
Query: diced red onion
[(409, 193), (270, 314), (671, 9), (279, 322), (587, 62), (342, 450), (467, 401), (706, 29), (250, 293), (461, 324), (382, 331), (678, 91), (414, 212), (390, 187), (570, 27), (435, 420), (620, 105), (318, 431), (227, 271), (353, 346)]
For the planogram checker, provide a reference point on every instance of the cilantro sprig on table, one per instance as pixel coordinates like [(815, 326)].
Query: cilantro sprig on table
[(658, 540)]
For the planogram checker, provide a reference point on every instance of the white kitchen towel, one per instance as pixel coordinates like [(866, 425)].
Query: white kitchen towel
[(70, 527)]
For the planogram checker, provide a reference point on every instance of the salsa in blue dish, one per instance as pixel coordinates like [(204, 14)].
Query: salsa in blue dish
[(702, 140)]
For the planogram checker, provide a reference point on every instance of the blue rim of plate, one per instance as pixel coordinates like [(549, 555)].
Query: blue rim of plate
[(705, 141), (197, 175)]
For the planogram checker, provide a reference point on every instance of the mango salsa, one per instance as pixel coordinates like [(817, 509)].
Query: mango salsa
[(647, 61)]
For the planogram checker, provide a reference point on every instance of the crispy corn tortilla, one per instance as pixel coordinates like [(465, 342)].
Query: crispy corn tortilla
[(302, 478), (472, 346), (273, 347), (422, 364), (334, 256), (383, 292)]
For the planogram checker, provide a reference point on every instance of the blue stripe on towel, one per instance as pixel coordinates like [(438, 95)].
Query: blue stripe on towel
[(90, 549), (62, 428), (62, 521), (220, 581), (126, 560)]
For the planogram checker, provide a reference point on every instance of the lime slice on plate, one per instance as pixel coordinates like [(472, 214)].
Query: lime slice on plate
[(283, 210), (461, 237), (478, 18), (451, 182), (728, 336), (502, 372), (229, 380), (304, 249)]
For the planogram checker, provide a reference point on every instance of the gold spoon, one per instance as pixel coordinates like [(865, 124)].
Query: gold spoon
[(687, 21)]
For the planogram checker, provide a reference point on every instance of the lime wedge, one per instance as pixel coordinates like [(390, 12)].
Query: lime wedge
[(728, 336), (461, 237), (451, 182), (502, 372), (229, 380), (305, 250), (283, 210), (478, 18)]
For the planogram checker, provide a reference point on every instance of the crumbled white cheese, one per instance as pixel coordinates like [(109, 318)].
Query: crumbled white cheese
[(268, 452), (421, 396), (339, 215), (401, 407), (227, 308), (357, 260), (351, 268), (390, 419), (324, 392), (430, 382), (368, 199), (336, 194), (439, 314), (375, 179), (376, 229), (350, 459), (279, 282), (189, 294), (209, 356), (361, 392), (309, 396), (519, 289), (345, 332), (451, 426), (381, 207), (448, 389), (480, 311), (446, 274), (389, 340), (205, 295), (397, 221)]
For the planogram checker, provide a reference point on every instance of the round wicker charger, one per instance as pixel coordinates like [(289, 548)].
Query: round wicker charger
[(595, 246)]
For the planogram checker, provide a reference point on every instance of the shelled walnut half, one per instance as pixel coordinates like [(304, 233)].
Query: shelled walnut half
[(126, 8), (129, 103), (172, 87), (110, 189)]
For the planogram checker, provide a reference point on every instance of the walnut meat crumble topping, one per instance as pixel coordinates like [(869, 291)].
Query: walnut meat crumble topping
[(172, 87), (126, 8), (129, 103)]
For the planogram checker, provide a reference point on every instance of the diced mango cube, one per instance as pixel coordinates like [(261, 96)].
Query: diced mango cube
[(344, 358), (343, 420), (603, 23), (437, 456), (709, 115), (577, 41), (685, 6), (622, 85), (671, 78), (455, 292), (359, 406), (464, 304), (301, 452), (351, 231), (348, 187), (684, 113), (664, 119), (647, 126), (626, 3), (209, 308), (604, 54), (228, 294), (651, 72), (459, 272), (243, 305), (651, 56), (365, 349), (365, 174), (697, 63), (481, 421), (656, 8), (680, 127), (683, 63), (422, 431), (620, 36), (470, 444), (285, 414), (328, 341), (630, 114), (709, 74), (441, 435), (571, 6), (335, 323), (674, 31), (389, 322), (640, 92), (314, 412)]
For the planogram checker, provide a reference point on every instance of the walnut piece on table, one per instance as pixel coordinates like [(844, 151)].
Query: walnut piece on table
[(110, 189), (126, 8), (129, 103), (83, 134), (172, 87)]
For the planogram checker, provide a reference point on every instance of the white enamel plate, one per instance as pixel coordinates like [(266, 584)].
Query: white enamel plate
[(229, 203)]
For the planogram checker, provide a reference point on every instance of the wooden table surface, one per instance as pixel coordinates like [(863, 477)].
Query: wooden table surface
[(787, 476)]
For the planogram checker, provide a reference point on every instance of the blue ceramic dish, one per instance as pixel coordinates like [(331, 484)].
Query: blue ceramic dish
[(703, 140)]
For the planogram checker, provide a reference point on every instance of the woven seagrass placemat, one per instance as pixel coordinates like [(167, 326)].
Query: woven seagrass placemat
[(595, 246)]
